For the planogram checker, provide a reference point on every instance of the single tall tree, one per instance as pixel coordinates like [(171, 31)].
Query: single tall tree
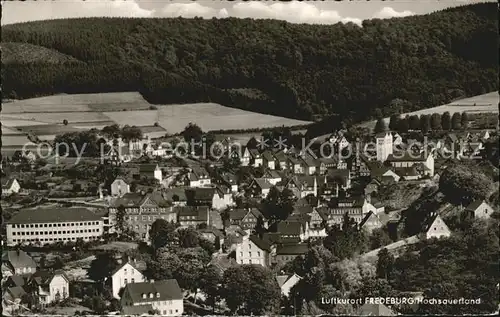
[(403, 125), (394, 122), (384, 264), (455, 121), (425, 123), (414, 122), (380, 126), (436, 122), (464, 120), (446, 121)]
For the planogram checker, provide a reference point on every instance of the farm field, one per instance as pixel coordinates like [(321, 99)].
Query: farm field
[(44, 116), (13, 140)]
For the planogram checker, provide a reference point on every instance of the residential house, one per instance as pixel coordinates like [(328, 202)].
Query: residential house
[(260, 187), (479, 209), (382, 174), (290, 230), (246, 219), (49, 286), (341, 177), (212, 234), (11, 300), (286, 282), (355, 208), (435, 227), (281, 160), (245, 156), (273, 177), (151, 171), (295, 165), (124, 274), (326, 163), (213, 197), (223, 199), (140, 212), (159, 150), (119, 187), (17, 262), (408, 173), (254, 250), (309, 164), (408, 160), (371, 222), (176, 196), (164, 297), (191, 216), (303, 186), (50, 225), (230, 180), (268, 160), (197, 177), (119, 154), (255, 158), (10, 186), (288, 252), (339, 141)]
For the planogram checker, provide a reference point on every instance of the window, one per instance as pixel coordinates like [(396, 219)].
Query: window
[(133, 280), (125, 281), (125, 271)]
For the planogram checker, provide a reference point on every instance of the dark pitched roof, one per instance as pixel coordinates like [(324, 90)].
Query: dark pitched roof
[(407, 157), (42, 215), (18, 259), (168, 290), (406, 171), (7, 183), (122, 265), (201, 212), (44, 277), (16, 292), (292, 249), (147, 168), (178, 193), (263, 183), (474, 205), (200, 193), (289, 227), (128, 200), (263, 243), (268, 156)]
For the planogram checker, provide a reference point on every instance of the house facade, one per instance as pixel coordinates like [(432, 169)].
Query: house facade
[(123, 275), (164, 297), (49, 286), (17, 262), (253, 250), (10, 186)]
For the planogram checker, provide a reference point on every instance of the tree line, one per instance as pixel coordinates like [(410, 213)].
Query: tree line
[(292, 70)]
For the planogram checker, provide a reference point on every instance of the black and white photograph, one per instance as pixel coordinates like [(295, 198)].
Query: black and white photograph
[(250, 158)]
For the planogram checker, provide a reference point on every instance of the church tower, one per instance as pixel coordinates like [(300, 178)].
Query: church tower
[(384, 146)]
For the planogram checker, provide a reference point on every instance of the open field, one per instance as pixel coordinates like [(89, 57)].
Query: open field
[(209, 116), (477, 104), (44, 116), (13, 140)]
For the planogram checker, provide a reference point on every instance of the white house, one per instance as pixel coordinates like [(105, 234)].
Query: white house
[(10, 186), (286, 282), (50, 286), (164, 297), (253, 250), (123, 275), (119, 187), (198, 178), (479, 209), (435, 227)]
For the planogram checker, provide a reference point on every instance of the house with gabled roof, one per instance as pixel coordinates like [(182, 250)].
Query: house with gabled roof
[(434, 227), (286, 282), (245, 218), (49, 286), (119, 187), (280, 160), (479, 209), (370, 222), (408, 160), (141, 211), (273, 177), (124, 274), (303, 185), (260, 187), (10, 186), (268, 160), (254, 249), (288, 252), (295, 164), (151, 171), (255, 158), (17, 262), (230, 180), (309, 164), (12, 300), (197, 177), (193, 216), (163, 296)]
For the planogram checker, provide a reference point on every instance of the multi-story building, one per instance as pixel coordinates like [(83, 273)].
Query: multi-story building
[(198, 177), (164, 297), (356, 208), (246, 219), (254, 250), (51, 225), (406, 160), (140, 212), (124, 274), (193, 216)]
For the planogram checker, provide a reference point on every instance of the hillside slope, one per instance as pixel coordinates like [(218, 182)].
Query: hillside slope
[(28, 53), (303, 70)]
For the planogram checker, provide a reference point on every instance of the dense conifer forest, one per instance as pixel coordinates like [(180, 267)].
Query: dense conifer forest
[(294, 70)]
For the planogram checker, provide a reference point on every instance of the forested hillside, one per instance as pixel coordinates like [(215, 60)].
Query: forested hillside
[(294, 70)]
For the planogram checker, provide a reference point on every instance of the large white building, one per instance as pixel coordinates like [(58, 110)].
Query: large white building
[(123, 275), (164, 297), (253, 250), (51, 225)]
